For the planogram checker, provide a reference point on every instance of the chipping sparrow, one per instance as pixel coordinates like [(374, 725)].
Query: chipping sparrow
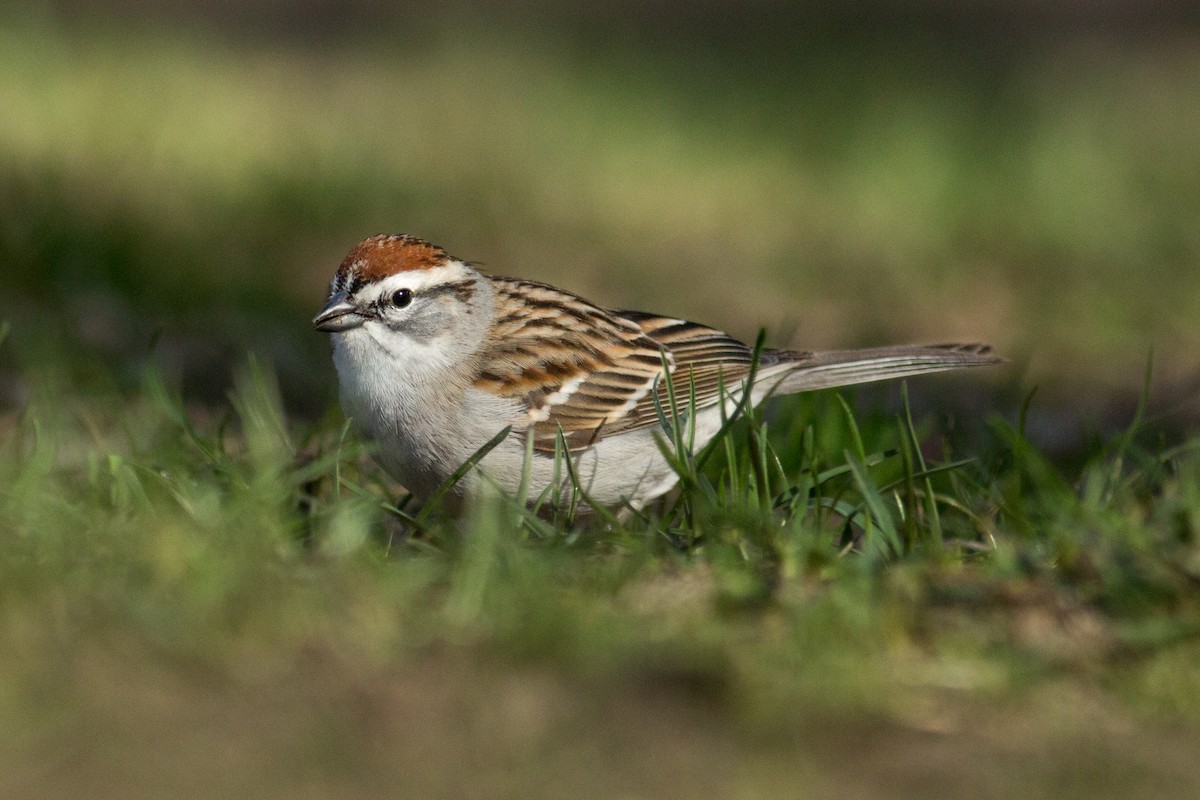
[(434, 359)]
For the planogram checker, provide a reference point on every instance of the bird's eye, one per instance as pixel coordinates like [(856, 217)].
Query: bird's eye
[(402, 298)]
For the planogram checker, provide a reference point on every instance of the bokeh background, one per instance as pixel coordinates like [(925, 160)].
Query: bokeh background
[(178, 180)]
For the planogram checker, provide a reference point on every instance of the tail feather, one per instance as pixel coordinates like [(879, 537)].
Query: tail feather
[(803, 372)]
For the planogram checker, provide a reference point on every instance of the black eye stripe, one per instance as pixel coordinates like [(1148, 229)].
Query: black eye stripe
[(463, 290)]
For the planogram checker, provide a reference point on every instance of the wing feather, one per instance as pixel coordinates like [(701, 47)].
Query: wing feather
[(577, 367), (591, 372)]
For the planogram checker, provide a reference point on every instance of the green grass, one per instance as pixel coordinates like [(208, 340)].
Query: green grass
[(207, 588), (813, 597)]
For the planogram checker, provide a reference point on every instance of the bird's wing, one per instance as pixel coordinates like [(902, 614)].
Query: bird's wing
[(574, 366), (591, 372), (708, 365)]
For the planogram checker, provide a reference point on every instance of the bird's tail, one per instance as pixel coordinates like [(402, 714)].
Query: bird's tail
[(786, 372)]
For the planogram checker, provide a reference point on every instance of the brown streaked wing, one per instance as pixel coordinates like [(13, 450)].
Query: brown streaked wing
[(710, 360), (579, 368)]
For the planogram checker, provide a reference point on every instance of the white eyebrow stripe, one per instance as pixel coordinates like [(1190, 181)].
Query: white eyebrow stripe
[(415, 280)]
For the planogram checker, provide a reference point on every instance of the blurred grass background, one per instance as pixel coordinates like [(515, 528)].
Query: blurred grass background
[(177, 183), (844, 175)]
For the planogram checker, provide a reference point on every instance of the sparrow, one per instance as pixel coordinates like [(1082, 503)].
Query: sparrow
[(435, 359)]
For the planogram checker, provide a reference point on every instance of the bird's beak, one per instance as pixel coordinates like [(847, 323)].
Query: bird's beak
[(339, 314)]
